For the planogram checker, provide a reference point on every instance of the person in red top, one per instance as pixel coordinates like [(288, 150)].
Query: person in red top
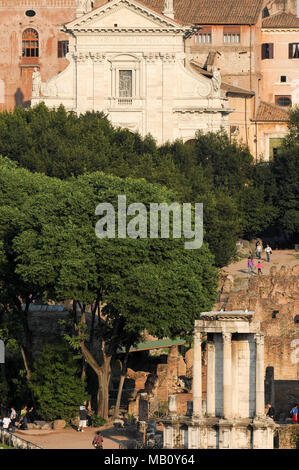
[(98, 440), (259, 267)]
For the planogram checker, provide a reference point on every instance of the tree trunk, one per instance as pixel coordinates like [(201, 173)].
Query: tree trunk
[(26, 348), (103, 373), (121, 382), (28, 372), (103, 391)]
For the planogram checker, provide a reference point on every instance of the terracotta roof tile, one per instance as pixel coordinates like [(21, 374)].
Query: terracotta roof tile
[(281, 20), (271, 112), (211, 11)]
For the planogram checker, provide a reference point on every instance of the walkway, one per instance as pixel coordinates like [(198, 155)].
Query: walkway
[(279, 258), (71, 439)]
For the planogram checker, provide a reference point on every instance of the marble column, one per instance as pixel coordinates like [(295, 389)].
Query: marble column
[(227, 375), (210, 378), (259, 380), (197, 377)]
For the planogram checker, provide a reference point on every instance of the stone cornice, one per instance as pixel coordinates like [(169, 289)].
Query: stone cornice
[(110, 30), (229, 315), (199, 110), (164, 24)]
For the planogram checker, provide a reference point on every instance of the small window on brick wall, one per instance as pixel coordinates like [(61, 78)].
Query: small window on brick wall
[(294, 50), (204, 36), (283, 100), (63, 48), (267, 51), (231, 35)]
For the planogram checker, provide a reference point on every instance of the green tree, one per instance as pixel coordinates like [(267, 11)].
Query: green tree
[(56, 249), (56, 384)]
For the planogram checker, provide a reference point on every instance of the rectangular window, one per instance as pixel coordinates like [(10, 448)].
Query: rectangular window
[(231, 38), (63, 48), (204, 36), (231, 34), (267, 51), (125, 83), (294, 50)]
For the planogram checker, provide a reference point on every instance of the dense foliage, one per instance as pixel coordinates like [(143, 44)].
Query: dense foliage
[(241, 199), (56, 384), (49, 251), (57, 167)]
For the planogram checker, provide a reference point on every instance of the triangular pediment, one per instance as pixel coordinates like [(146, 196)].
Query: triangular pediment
[(123, 15)]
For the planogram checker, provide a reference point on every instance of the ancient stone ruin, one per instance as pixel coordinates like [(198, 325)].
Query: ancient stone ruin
[(235, 416)]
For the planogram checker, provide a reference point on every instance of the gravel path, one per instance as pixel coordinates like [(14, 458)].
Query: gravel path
[(71, 439), (279, 258)]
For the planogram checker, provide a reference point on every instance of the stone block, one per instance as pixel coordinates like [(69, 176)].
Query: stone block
[(59, 424)]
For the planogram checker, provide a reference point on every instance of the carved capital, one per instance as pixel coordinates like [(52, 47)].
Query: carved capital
[(81, 57), (97, 56), (151, 56), (259, 339), (168, 57), (227, 338), (197, 335)]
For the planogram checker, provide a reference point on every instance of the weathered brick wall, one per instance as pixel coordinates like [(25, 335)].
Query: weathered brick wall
[(15, 73), (264, 294), (288, 437)]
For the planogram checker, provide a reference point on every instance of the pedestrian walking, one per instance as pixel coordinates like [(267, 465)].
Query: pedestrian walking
[(98, 440), (258, 250), (82, 418), (23, 418), (250, 264), (6, 422), (268, 251), (294, 413), (13, 417), (259, 267)]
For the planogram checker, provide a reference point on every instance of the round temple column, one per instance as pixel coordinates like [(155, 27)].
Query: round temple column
[(259, 380), (210, 378), (197, 379), (227, 375)]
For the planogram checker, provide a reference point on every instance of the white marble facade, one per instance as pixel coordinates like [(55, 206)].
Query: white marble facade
[(129, 62)]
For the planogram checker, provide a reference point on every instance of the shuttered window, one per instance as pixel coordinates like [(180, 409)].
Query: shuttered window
[(294, 50), (204, 35), (63, 48), (231, 35), (267, 51)]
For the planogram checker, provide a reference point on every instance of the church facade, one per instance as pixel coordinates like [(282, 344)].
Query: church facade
[(128, 61)]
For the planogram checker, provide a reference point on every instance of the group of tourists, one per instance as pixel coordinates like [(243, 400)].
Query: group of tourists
[(293, 412), (13, 419), (259, 266)]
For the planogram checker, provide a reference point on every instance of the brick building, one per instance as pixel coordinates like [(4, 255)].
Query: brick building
[(248, 41), (30, 36)]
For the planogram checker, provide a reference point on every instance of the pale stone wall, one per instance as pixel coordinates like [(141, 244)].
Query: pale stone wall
[(168, 100), (272, 69)]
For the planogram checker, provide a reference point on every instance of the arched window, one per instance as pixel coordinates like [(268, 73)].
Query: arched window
[(30, 47)]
